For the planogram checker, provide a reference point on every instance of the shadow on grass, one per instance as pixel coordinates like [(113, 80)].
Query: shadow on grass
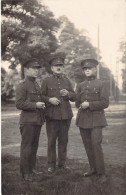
[(62, 183)]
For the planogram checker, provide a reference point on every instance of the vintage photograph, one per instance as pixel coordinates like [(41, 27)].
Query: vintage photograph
[(63, 97)]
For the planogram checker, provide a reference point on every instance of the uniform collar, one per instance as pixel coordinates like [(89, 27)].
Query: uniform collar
[(91, 78), (57, 76), (30, 78)]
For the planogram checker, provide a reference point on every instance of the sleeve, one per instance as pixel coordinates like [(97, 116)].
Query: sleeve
[(78, 96), (104, 98), (71, 94), (22, 103)]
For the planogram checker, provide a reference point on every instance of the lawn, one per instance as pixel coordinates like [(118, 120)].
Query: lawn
[(69, 182)]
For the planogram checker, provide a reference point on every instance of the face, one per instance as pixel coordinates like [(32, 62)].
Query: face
[(33, 72), (90, 71), (57, 69)]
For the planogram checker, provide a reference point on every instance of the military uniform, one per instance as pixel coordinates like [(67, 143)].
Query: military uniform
[(51, 87), (58, 117), (92, 119), (31, 121), (93, 91)]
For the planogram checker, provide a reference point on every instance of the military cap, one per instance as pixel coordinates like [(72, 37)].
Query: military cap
[(56, 60), (89, 62), (32, 63)]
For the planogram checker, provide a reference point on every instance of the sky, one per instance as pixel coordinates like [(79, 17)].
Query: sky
[(109, 15)]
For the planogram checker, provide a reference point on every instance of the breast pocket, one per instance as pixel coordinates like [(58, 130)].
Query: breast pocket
[(52, 92), (83, 91), (32, 96), (94, 94), (96, 90)]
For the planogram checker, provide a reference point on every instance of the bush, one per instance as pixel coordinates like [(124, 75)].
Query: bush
[(8, 84)]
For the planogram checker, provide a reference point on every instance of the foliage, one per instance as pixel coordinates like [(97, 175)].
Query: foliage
[(7, 87), (123, 49), (28, 30), (123, 59), (76, 45), (124, 80)]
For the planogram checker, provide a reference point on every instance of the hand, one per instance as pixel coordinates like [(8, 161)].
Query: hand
[(85, 105), (40, 105), (64, 92), (54, 101)]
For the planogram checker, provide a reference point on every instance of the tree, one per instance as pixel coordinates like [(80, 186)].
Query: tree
[(123, 49), (28, 30), (123, 59), (7, 90), (76, 46)]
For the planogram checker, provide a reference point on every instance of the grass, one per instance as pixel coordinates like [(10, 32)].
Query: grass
[(62, 183)]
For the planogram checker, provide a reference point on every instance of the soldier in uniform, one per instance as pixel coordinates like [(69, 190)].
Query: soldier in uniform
[(57, 90), (29, 100), (91, 99)]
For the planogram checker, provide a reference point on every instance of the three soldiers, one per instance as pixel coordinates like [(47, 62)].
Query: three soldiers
[(56, 92)]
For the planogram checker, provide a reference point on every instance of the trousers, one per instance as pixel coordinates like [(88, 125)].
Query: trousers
[(92, 139), (57, 129), (29, 145)]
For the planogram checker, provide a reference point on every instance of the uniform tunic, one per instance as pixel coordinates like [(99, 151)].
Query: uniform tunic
[(95, 92), (58, 118), (31, 120), (51, 87), (27, 94)]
